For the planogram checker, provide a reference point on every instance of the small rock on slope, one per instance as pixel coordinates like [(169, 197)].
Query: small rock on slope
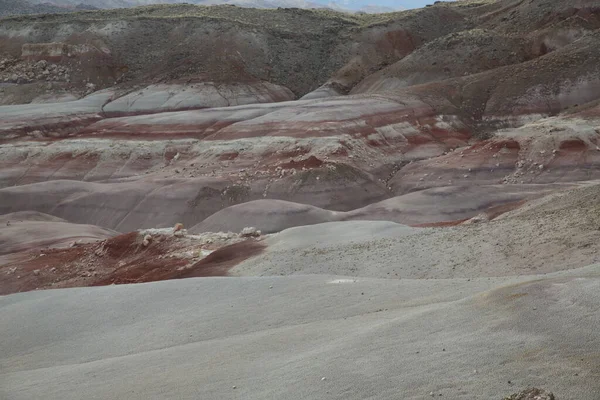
[(532, 394)]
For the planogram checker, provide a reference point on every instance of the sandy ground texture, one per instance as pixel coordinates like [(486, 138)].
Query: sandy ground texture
[(554, 233), (485, 319), (431, 207), (305, 337)]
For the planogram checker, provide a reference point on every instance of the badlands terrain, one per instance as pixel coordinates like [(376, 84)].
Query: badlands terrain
[(17, 7), (235, 203)]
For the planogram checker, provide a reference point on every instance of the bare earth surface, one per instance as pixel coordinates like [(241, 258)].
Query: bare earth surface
[(238, 203), (555, 233), (320, 337)]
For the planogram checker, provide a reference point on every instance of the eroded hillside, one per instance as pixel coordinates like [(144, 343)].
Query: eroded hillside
[(147, 117), (404, 204)]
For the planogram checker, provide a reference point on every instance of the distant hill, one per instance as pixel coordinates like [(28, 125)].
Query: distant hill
[(376, 9), (14, 7)]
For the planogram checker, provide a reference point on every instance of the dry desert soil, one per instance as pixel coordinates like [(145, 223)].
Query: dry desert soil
[(238, 203)]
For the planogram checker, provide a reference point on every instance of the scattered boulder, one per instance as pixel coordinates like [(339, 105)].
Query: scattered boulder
[(180, 233), (27, 71), (147, 240), (250, 232), (178, 230), (483, 217), (178, 226), (532, 394)]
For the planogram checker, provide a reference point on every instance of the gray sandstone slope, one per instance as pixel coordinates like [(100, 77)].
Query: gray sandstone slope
[(20, 235), (120, 206), (448, 204), (301, 337), (451, 204), (18, 118), (129, 204), (28, 216), (267, 215), (556, 233)]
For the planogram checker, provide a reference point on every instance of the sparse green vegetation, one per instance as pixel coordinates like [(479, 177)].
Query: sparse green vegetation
[(281, 18), (269, 18)]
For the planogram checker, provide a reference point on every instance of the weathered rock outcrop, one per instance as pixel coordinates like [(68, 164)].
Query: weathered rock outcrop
[(555, 149)]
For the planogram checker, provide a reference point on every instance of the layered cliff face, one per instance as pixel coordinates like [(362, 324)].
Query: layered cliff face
[(146, 117)]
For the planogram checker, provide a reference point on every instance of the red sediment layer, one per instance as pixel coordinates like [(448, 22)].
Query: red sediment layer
[(497, 145), (229, 156), (122, 259), (573, 145), (442, 224), (221, 261), (495, 212)]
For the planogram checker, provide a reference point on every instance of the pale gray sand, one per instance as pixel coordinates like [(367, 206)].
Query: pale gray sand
[(452, 203), (279, 337), (552, 234)]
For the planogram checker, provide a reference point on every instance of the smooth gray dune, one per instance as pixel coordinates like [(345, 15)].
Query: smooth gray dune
[(44, 116), (170, 97), (41, 230), (551, 234), (268, 216), (305, 337), (452, 203), (29, 216)]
